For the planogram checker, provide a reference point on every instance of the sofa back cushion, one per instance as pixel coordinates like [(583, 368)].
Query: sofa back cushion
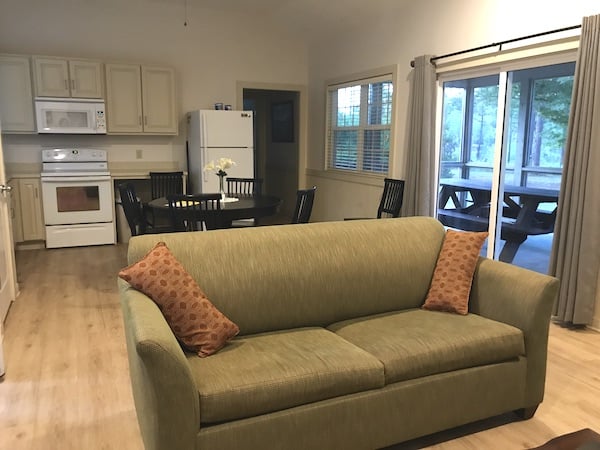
[(289, 276)]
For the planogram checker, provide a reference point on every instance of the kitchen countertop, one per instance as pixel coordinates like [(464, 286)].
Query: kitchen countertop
[(118, 170)]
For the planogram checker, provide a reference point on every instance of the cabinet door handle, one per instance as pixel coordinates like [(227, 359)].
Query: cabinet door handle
[(35, 192), (66, 84), (72, 85), (140, 120)]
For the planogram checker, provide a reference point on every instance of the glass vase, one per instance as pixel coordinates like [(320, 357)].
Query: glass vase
[(222, 187)]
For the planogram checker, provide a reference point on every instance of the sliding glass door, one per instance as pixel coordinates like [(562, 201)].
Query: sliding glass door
[(501, 152)]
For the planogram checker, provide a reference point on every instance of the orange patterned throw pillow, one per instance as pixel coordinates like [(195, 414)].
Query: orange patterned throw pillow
[(195, 321), (451, 284)]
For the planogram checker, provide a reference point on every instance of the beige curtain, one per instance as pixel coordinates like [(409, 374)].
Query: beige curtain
[(420, 163), (575, 257)]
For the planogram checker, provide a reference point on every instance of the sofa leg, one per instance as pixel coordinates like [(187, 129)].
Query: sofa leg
[(526, 413)]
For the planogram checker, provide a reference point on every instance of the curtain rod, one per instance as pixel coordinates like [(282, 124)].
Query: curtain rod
[(501, 43)]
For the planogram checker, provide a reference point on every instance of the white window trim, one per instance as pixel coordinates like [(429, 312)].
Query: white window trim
[(540, 54), (384, 72)]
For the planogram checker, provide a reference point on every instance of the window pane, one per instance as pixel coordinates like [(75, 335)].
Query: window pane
[(543, 180), (483, 128), (550, 117), (380, 103), (345, 149), (538, 125), (348, 112), (513, 124), (377, 150), (453, 124), (480, 173)]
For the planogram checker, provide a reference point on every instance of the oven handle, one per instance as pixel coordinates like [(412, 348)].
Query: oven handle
[(75, 178)]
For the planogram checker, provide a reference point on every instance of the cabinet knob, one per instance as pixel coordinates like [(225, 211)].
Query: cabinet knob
[(5, 188)]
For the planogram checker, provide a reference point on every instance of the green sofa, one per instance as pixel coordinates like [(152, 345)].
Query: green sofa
[(334, 350)]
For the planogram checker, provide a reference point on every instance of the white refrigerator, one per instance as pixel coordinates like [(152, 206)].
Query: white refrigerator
[(214, 134)]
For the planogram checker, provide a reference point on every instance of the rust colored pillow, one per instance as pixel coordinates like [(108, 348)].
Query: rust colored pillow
[(451, 284), (195, 321)]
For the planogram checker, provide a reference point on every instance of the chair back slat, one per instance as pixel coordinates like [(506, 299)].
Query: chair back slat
[(391, 198), (244, 186), (165, 183), (194, 212), (304, 203)]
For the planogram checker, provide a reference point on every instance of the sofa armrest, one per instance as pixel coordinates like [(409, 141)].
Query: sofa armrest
[(165, 394), (523, 299)]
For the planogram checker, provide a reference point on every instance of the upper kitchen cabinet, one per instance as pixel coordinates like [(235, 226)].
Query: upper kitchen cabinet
[(158, 100), (140, 99), (16, 99), (123, 98), (78, 78)]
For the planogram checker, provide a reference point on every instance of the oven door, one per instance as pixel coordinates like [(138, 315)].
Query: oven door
[(77, 199)]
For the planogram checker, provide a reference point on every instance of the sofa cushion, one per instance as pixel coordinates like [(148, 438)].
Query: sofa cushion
[(269, 372), (416, 343), (453, 275), (195, 321)]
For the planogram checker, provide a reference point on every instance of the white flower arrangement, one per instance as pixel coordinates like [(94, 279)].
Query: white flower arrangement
[(220, 166)]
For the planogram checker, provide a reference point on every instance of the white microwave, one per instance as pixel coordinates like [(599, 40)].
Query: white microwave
[(70, 116)]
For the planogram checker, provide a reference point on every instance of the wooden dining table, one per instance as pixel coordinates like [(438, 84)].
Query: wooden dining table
[(465, 204), (245, 207)]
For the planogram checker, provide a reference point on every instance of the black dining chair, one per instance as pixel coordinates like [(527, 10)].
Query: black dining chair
[(194, 212), (161, 185), (134, 211), (304, 203), (390, 204), (391, 199), (165, 183), (244, 186), (238, 187)]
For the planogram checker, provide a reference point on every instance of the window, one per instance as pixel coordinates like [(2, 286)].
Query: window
[(359, 122)]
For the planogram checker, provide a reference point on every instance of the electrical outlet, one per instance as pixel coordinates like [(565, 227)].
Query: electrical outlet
[(139, 154)]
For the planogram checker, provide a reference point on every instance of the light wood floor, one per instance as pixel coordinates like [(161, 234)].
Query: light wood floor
[(67, 382)]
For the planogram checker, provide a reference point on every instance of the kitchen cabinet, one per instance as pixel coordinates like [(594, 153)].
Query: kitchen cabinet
[(140, 99), (77, 78), (16, 99), (28, 218)]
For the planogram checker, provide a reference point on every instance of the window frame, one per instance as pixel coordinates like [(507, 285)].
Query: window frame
[(387, 73)]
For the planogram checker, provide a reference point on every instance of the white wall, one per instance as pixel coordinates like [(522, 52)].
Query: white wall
[(407, 30), (216, 50)]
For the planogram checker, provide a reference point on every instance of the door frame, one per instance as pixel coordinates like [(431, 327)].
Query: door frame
[(302, 91)]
